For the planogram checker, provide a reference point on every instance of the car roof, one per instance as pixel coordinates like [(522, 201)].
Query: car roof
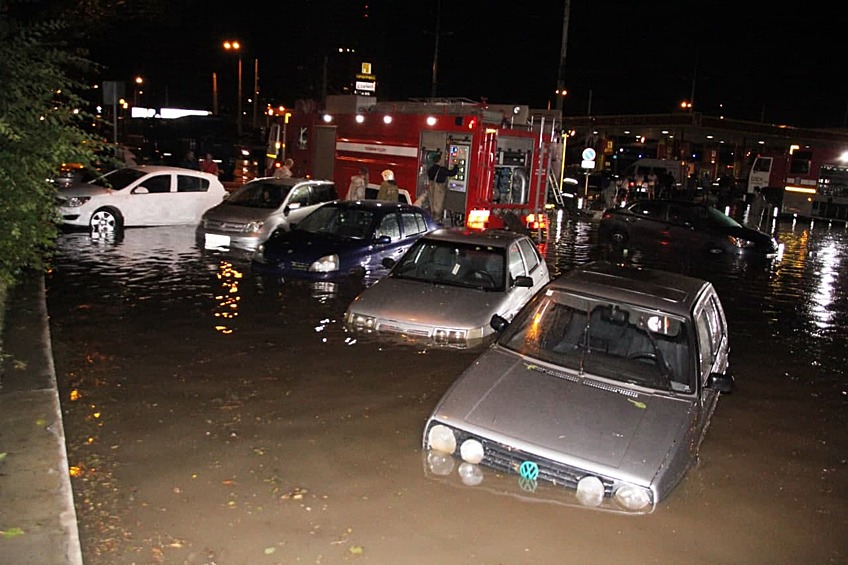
[(494, 238), (288, 181), (164, 169), (381, 205), (649, 288)]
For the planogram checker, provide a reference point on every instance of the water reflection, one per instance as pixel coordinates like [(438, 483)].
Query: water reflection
[(797, 301)]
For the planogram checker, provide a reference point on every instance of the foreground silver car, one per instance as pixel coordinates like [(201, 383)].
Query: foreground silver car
[(605, 383), (448, 285)]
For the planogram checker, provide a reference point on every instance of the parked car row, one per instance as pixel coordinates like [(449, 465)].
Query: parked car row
[(602, 381)]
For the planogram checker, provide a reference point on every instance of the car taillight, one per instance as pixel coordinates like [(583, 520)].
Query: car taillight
[(478, 219)]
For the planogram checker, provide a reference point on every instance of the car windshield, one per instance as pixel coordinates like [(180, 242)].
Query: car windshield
[(722, 219), (259, 195), (455, 264), (119, 178), (604, 338), (349, 223)]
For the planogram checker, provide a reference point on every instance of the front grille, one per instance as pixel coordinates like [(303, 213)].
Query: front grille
[(224, 226), (506, 459), (299, 266), (395, 328)]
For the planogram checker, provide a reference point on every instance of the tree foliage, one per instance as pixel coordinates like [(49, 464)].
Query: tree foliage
[(44, 124)]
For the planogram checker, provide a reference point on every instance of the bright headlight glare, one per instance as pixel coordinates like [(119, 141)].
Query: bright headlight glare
[(77, 201), (362, 322), (741, 243), (590, 491), (632, 497), (441, 438), (253, 227), (326, 264), (471, 451), (446, 335)]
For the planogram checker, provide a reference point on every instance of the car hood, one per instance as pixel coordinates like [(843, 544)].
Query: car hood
[(762, 239), (240, 214), (581, 421), (84, 189), (299, 245), (429, 304)]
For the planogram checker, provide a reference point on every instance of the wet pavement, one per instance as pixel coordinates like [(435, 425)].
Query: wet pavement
[(214, 416)]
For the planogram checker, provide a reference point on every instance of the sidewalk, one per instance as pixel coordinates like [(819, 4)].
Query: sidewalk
[(37, 518)]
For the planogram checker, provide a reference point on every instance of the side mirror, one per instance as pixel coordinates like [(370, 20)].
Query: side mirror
[(720, 382), (140, 190), (383, 239), (524, 281), (290, 207), (498, 323)]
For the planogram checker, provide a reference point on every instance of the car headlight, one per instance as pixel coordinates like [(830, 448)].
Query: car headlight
[(590, 491), (253, 227), (76, 201), (449, 336), (441, 438), (632, 497), (326, 264), (741, 243), (361, 321), (471, 451)]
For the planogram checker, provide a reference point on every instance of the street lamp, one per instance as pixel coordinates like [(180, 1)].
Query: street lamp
[(138, 82), (230, 45)]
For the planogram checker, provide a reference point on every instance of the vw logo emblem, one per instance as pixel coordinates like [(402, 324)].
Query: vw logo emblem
[(529, 470)]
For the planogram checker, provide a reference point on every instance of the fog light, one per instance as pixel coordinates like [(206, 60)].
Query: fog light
[(441, 438), (590, 491), (471, 451), (632, 497)]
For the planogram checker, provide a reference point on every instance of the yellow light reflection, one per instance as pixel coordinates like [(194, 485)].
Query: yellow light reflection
[(228, 300)]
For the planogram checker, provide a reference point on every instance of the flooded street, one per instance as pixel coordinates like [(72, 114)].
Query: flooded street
[(214, 416)]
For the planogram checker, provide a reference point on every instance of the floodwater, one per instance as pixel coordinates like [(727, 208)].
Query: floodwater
[(213, 416)]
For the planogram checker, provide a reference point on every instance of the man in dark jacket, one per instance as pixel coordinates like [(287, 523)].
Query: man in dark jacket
[(438, 175)]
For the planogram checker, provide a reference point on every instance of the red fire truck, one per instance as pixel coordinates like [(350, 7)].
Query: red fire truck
[(809, 182), (503, 153)]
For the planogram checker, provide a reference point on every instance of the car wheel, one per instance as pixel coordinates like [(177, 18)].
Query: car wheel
[(106, 219), (618, 237)]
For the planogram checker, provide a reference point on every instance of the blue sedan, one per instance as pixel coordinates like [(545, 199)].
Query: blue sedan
[(343, 239)]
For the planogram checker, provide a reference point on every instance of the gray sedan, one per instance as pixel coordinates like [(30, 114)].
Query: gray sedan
[(448, 285), (605, 383)]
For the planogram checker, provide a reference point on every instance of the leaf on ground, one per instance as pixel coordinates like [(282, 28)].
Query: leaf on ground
[(11, 533), (270, 550), (356, 549), (2, 456)]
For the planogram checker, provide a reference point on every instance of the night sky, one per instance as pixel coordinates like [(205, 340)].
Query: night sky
[(750, 61)]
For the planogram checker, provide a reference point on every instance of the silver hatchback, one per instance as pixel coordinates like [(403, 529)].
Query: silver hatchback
[(254, 211), (448, 285), (604, 383)]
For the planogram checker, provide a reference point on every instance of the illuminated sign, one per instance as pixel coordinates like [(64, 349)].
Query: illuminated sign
[(376, 149)]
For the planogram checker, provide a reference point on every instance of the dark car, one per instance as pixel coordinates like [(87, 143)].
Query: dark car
[(343, 238), (692, 226)]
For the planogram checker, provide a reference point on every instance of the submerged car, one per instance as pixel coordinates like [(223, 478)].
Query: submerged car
[(604, 384), (343, 239), (681, 224), (258, 208), (143, 195), (446, 288)]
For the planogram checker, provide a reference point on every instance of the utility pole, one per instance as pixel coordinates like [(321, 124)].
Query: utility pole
[(436, 49), (255, 90), (561, 73)]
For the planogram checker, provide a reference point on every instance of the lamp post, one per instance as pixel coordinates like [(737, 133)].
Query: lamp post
[(138, 82), (231, 45)]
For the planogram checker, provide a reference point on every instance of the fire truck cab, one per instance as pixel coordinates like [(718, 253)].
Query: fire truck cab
[(502, 154)]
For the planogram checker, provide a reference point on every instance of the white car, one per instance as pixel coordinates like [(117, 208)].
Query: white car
[(140, 195)]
